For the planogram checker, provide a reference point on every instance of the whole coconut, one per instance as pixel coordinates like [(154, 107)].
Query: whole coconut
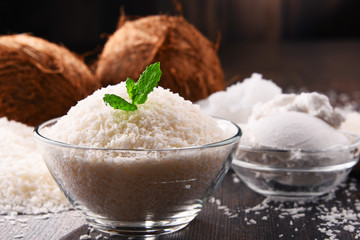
[(40, 80), (188, 60)]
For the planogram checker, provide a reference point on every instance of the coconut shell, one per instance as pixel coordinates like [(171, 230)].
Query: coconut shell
[(40, 80), (188, 60)]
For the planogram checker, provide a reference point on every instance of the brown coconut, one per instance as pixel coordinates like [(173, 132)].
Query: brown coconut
[(188, 60), (40, 80)]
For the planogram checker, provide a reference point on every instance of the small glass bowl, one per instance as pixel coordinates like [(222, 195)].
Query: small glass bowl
[(139, 192), (295, 173)]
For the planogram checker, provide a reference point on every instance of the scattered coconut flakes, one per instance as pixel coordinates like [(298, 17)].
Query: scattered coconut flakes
[(331, 214), (252, 221), (235, 178), (349, 228), (85, 237), (234, 215)]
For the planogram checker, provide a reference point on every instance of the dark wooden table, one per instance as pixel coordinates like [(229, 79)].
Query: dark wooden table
[(235, 212)]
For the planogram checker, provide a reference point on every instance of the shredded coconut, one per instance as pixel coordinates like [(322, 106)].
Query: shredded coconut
[(237, 101), (26, 184), (165, 120), (85, 237)]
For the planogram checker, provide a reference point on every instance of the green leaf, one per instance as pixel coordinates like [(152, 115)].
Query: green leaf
[(138, 91), (119, 103), (130, 87), (147, 82)]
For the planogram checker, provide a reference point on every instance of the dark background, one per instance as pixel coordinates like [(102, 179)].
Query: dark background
[(80, 24), (275, 37)]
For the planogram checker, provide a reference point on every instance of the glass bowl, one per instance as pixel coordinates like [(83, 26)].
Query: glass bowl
[(295, 173), (139, 192)]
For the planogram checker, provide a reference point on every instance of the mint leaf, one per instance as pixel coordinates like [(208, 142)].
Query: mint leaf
[(130, 87), (138, 91), (147, 82), (118, 102)]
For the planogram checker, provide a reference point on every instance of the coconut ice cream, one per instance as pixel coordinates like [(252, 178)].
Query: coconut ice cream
[(293, 131), (296, 142), (295, 122)]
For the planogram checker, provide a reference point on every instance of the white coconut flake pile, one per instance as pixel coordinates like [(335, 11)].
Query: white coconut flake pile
[(26, 184), (165, 120), (237, 101)]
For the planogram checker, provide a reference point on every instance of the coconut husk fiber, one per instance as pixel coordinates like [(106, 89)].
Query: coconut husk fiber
[(188, 60), (40, 80)]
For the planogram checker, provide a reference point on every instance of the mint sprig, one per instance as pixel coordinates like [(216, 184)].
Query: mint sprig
[(138, 91), (118, 102)]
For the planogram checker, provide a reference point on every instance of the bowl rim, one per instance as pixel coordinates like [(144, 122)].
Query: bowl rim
[(40, 137), (238, 163), (338, 148)]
